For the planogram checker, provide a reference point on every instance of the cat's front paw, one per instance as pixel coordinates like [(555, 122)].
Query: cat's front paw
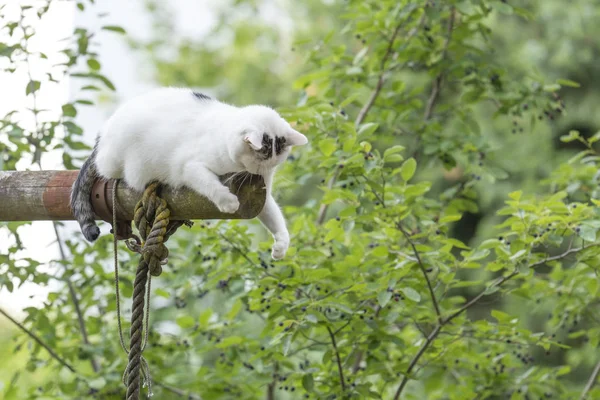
[(282, 242), (228, 203)]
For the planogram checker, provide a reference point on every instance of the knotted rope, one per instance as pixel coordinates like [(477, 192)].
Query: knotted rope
[(151, 218)]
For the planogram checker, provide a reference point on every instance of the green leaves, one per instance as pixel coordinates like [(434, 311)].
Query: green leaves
[(383, 298), (553, 87), (502, 6), (235, 309), (186, 321), (308, 382), (501, 316), (500, 227), (587, 233), (408, 169), (162, 293), (114, 28), (391, 155), (573, 135), (93, 64), (69, 110), (95, 76), (411, 294), (567, 82), (32, 87), (367, 129), (97, 383), (230, 341), (327, 146), (335, 231)]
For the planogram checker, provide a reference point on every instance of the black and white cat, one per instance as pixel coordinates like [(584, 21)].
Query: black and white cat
[(184, 138)]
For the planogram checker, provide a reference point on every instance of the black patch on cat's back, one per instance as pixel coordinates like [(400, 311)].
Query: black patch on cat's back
[(266, 151), (201, 96)]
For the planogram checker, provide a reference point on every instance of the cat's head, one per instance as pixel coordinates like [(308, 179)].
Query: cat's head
[(265, 140)]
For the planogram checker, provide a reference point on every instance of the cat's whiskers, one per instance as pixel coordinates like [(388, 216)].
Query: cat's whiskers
[(248, 174), (235, 175)]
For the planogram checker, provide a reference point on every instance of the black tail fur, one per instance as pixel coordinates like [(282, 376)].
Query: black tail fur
[(81, 198)]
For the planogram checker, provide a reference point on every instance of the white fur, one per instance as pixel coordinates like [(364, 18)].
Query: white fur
[(171, 136)]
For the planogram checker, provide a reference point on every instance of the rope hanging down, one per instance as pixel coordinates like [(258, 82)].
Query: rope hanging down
[(151, 218)]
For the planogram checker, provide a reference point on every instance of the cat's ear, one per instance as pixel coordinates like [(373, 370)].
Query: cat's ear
[(295, 138), (253, 139)]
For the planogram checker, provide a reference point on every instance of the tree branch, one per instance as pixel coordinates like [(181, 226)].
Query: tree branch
[(44, 195), (362, 114), (503, 279), (38, 340), (424, 270), (271, 386), (413, 362), (324, 207), (179, 392), (474, 300), (591, 382), (360, 353), (73, 295), (337, 356), (442, 322), (437, 83), (436, 331), (433, 96), (357, 361)]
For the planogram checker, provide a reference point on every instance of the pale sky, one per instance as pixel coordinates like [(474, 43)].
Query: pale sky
[(38, 237)]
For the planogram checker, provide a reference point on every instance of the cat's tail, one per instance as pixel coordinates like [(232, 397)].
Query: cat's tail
[(81, 198)]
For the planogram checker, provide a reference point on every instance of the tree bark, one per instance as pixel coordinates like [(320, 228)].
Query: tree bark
[(44, 195)]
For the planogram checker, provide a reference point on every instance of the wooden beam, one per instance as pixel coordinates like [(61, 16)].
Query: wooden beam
[(44, 195)]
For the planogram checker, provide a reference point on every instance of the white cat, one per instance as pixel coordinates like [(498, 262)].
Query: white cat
[(184, 138)]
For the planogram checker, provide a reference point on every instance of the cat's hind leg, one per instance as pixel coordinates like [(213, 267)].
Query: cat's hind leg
[(109, 165), (137, 172), (199, 178)]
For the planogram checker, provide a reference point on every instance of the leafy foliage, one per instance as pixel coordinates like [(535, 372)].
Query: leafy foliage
[(444, 247)]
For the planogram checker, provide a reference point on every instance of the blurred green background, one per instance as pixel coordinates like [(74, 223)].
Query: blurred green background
[(249, 56)]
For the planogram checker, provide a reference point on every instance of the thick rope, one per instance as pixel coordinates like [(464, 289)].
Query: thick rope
[(151, 217), (137, 320)]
